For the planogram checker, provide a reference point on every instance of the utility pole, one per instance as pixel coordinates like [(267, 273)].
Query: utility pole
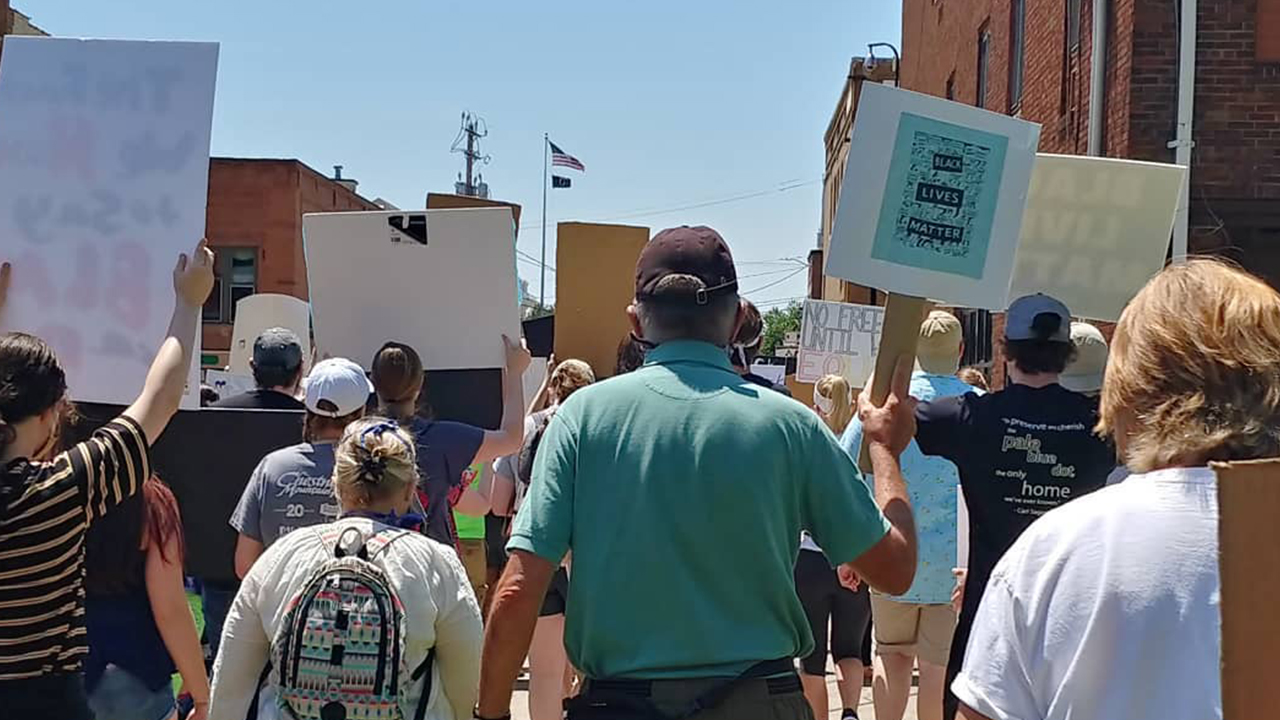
[(468, 144)]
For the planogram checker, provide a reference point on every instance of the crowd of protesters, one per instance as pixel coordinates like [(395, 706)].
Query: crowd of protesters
[(681, 540)]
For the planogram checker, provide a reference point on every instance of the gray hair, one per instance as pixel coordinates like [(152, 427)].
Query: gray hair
[(712, 322)]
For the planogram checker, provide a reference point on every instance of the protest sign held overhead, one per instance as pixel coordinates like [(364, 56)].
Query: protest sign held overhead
[(595, 282), (1095, 231), (104, 167), (256, 313), (228, 384), (939, 200), (442, 281), (838, 339)]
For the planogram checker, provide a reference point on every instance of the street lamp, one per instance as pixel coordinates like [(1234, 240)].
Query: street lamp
[(897, 59)]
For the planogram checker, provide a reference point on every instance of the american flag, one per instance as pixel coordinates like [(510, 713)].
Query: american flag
[(563, 159)]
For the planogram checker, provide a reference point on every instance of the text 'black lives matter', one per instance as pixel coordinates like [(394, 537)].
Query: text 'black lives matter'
[(940, 195), (948, 163), (935, 232)]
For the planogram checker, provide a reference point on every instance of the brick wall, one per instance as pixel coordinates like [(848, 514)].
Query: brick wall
[(1237, 118), (259, 204), (5, 22), (940, 43)]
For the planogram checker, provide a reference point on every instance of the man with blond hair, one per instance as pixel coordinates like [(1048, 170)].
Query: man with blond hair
[(918, 625), (1108, 607)]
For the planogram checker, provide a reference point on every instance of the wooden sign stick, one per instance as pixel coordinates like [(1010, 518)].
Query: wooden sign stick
[(898, 338)]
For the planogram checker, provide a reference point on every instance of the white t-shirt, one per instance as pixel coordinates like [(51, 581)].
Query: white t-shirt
[(440, 612), (1106, 607)]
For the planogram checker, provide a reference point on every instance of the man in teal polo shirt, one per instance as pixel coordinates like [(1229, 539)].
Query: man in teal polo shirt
[(680, 490)]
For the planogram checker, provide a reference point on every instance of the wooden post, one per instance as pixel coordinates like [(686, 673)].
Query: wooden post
[(898, 339), (1249, 567)]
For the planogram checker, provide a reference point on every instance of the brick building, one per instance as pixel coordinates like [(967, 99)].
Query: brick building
[(836, 141), (13, 22), (254, 223), (1031, 58)]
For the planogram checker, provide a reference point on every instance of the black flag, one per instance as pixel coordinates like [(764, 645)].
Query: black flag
[(560, 182)]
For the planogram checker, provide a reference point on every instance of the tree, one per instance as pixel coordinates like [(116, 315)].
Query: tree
[(777, 323), (534, 310)]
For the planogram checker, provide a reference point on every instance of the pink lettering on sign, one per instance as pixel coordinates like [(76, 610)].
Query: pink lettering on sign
[(71, 144), (129, 299), (67, 343), (83, 292), (34, 279)]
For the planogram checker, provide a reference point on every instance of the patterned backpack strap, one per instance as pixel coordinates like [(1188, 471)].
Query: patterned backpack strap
[(377, 543)]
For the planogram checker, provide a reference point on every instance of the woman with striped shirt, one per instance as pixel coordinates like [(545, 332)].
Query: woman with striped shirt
[(47, 501)]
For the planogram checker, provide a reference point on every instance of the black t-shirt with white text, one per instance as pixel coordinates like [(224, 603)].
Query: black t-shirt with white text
[(1021, 452)]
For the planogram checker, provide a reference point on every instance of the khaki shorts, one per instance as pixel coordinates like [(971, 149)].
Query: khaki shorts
[(924, 631), (474, 559)]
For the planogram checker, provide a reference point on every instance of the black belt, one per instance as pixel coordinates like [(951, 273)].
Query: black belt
[(633, 695)]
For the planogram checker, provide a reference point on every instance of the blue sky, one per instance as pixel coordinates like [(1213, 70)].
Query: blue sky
[(669, 103)]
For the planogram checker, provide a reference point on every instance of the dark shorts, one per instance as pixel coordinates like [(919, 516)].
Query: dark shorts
[(557, 598), (49, 697), (495, 541), (825, 599)]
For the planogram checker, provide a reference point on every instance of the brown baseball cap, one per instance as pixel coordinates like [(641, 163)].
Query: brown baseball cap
[(696, 251)]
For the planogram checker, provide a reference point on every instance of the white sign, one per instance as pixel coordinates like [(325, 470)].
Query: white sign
[(104, 167), (534, 376), (441, 281), (228, 383), (838, 339), (256, 313), (776, 374), (1095, 231), (933, 198)]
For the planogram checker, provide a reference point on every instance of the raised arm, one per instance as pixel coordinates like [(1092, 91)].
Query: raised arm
[(507, 439), (890, 564), (166, 380), (173, 619)]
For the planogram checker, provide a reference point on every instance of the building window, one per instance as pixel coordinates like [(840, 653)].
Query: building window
[(1017, 51), (984, 56), (951, 86), (1073, 24), (235, 277), (977, 338)]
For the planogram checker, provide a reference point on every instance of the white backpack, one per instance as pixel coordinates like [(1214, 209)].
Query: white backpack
[(339, 654)]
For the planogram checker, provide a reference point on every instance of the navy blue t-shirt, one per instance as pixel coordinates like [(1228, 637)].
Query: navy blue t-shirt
[(445, 451)]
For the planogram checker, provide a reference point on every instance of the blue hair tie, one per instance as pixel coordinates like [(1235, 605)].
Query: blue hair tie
[(373, 469)]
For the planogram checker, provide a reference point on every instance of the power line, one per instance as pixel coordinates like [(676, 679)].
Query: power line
[(781, 301), (648, 212), (522, 255), (765, 273), (779, 281)]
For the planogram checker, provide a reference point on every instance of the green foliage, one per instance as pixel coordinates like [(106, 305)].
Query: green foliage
[(777, 323)]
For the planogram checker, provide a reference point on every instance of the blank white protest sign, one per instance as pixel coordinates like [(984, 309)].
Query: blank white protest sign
[(1095, 231), (104, 169), (451, 298), (264, 311)]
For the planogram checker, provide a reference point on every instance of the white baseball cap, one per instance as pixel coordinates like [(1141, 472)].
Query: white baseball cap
[(1084, 373), (337, 387)]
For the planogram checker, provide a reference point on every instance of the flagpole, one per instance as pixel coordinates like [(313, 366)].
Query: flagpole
[(542, 293)]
